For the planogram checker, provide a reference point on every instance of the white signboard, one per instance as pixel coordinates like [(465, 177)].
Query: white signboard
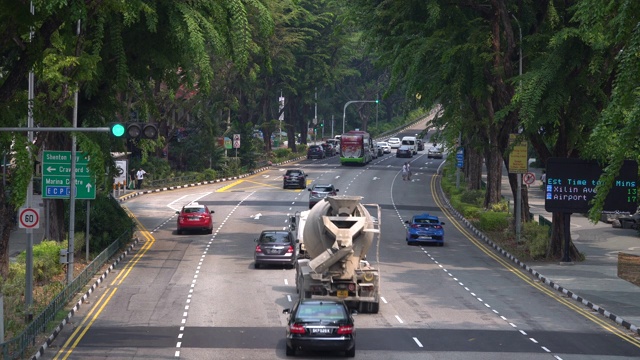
[(121, 174), (29, 218)]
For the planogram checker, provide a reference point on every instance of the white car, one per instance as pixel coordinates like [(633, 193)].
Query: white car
[(386, 148), (434, 151), (394, 142)]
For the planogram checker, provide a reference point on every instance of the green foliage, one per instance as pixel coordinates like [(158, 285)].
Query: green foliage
[(208, 175), (108, 221), (46, 259), (474, 197), (282, 153), (493, 221), (502, 206), (470, 211), (537, 239)]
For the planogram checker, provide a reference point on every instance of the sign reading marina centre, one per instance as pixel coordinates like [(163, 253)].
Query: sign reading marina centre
[(570, 185), (56, 176)]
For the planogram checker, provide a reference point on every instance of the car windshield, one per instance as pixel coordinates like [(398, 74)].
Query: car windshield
[(318, 312), (293, 173), (274, 237), (193, 210)]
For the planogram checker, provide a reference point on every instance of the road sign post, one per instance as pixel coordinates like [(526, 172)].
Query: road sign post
[(56, 176)]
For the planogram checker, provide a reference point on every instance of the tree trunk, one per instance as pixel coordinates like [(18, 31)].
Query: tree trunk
[(556, 247), (473, 169), (55, 220), (7, 222)]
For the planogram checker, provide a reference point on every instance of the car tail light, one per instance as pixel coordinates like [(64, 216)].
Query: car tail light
[(258, 249), (352, 287), (299, 329), (314, 193), (290, 249), (437, 227), (345, 330)]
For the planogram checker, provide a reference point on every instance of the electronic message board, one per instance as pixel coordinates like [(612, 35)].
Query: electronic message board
[(571, 185)]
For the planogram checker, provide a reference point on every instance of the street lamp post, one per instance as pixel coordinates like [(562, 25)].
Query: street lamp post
[(344, 111)]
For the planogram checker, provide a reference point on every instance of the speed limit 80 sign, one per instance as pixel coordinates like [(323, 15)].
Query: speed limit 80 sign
[(29, 218)]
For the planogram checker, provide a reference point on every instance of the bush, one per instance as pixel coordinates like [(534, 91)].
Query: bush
[(502, 206), (282, 153), (473, 197), (493, 221), (470, 211), (46, 259), (209, 174), (537, 239)]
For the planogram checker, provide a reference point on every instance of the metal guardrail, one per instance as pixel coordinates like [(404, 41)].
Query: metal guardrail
[(543, 221), (16, 347)]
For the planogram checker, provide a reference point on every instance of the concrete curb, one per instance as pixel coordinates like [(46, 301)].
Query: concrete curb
[(539, 276)]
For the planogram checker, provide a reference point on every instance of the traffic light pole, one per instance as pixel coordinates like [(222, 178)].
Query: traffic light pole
[(54, 129)]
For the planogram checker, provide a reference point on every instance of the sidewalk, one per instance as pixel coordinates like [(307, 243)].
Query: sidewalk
[(594, 281)]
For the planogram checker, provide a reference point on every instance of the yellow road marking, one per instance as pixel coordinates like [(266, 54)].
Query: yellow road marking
[(519, 272), (77, 335)]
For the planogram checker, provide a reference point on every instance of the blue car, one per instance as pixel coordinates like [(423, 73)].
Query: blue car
[(425, 228)]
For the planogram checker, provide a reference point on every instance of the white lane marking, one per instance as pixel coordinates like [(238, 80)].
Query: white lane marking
[(286, 282), (417, 342), (383, 300), (256, 216), (399, 320)]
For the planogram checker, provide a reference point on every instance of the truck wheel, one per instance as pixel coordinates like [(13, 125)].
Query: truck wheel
[(374, 307)]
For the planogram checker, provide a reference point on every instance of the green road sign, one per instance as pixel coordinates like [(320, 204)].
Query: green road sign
[(56, 176)]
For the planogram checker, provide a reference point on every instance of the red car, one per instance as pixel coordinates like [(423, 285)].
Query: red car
[(195, 217)]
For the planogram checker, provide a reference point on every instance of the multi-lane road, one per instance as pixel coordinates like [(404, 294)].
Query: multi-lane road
[(198, 296)]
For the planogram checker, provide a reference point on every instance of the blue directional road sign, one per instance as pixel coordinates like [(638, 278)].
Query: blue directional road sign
[(460, 157), (56, 176)]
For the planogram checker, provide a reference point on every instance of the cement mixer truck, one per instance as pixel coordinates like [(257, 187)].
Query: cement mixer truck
[(338, 233)]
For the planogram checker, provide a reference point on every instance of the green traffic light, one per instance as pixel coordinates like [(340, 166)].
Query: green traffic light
[(117, 130)]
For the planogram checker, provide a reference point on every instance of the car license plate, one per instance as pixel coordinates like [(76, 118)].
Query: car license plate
[(321, 331), (425, 237), (193, 219), (343, 293)]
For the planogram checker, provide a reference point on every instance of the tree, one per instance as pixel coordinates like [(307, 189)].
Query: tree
[(123, 54)]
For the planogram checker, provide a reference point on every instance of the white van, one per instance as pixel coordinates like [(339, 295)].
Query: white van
[(411, 141)]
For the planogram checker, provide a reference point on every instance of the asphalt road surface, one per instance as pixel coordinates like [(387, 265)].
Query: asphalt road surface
[(198, 296)]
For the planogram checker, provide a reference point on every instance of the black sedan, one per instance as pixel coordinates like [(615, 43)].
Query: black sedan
[(320, 325), (404, 151)]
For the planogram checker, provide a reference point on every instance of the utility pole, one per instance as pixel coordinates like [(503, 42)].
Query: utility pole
[(28, 296), (518, 175), (72, 185)]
